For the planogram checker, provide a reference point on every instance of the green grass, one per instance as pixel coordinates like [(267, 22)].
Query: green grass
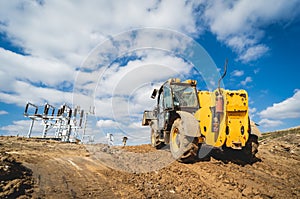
[(280, 133)]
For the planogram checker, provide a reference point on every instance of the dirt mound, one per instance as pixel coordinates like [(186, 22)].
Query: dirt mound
[(145, 148), (52, 169), (16, 180), (132, 159)]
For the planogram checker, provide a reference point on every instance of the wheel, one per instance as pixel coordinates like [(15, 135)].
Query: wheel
[(155, 140), (251, 148), (183, 148)]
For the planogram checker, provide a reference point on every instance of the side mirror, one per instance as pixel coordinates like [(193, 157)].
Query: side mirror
[(153, 95)]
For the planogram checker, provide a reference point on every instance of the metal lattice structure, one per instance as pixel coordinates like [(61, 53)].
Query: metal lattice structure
[(65, 120)]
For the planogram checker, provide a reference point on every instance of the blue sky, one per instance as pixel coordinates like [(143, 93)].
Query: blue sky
[(94, 53)]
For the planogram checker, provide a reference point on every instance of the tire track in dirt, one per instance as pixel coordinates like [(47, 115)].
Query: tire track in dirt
[(59, 178)]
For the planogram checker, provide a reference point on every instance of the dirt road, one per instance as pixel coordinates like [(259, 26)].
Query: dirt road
[(51, 169)]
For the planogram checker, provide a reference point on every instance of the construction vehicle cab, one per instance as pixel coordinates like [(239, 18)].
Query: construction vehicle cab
[(175, 100), (174, 96)]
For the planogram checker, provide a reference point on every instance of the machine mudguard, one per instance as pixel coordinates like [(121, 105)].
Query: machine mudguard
[(190, 125)]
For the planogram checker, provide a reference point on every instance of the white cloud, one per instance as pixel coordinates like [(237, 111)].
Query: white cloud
[(3, 112), (238, 43), (122, 80), (107, 123), (24, 92), (253, 53), (252, 112), (289, 108), (246, 81), (32, 69), (242, 16), (237, 73), (240, 24), (267, 123), (56, 29), (256, 71), (21, 128)]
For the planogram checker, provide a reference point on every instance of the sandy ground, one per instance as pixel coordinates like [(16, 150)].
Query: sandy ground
[(32, 168)]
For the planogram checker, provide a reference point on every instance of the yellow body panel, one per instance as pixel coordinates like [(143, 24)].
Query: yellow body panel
[(224, 121), (237, 118)]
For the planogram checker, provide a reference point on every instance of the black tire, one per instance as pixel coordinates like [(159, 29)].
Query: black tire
[(251, 148), (183, 148), (155, 140)]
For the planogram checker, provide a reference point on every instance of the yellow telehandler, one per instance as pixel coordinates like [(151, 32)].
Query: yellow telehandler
[(187, 118)]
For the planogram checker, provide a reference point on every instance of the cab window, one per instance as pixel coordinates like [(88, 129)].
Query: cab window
[(167, 97)]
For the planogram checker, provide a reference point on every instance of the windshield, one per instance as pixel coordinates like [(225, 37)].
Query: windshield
[(185, 96)]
